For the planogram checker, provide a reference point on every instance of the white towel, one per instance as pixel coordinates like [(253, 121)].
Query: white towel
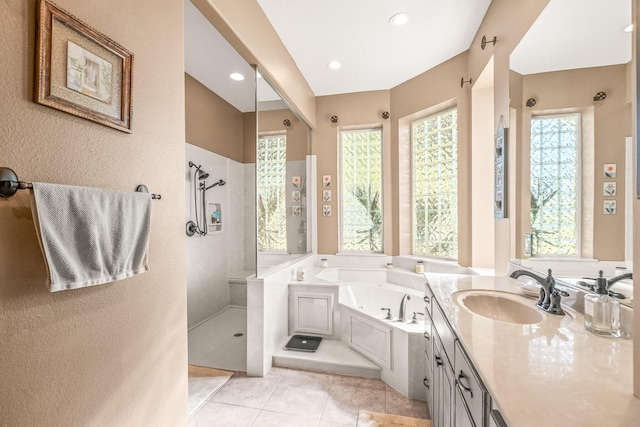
[(90, 236)]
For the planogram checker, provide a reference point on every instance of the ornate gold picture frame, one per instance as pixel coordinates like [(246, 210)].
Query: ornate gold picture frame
[(80, 70)]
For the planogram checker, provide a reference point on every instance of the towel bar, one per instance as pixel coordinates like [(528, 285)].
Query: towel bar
[(9, 184)]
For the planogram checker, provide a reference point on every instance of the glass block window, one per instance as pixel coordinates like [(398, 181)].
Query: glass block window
[(361, 190), (434, 146), (272, 177), (555, 170)]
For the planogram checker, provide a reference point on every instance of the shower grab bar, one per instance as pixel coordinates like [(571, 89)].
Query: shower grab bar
[(9, 184)]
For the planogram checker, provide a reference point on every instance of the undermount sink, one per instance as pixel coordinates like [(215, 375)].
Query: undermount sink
[(500, 306)]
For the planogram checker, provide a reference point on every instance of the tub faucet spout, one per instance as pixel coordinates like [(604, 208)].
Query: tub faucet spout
[(402, 315)]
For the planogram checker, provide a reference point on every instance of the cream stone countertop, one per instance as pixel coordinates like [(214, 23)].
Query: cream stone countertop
[(553, 373)]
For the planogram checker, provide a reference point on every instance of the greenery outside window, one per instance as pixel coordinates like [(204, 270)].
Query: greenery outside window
[(434, 146), (361, 190), (555, 186), (272, 177)]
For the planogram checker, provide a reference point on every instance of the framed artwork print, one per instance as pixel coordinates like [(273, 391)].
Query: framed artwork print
[(81, 71), (610, 207), (326, 195), (500, 170), (610, 170), (609, 189)]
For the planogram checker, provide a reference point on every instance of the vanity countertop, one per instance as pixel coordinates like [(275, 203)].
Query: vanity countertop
[(554, 373)]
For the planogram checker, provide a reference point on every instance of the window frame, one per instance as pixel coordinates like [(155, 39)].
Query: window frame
[(579, 172), (341, 188), (414, 223)]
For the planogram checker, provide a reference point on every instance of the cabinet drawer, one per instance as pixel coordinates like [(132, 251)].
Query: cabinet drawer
[(444, 332), (428, 298), (470, 387)]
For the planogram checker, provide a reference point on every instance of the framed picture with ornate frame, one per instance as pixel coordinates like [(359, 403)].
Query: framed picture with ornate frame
[(500, 173), (80, 70)]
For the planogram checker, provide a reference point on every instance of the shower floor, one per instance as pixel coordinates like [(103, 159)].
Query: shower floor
[(213, 344)]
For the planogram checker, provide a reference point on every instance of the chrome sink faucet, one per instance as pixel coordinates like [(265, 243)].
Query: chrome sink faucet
[(402, 315), (550, 297)]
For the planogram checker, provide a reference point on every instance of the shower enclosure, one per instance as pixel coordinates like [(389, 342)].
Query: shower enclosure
[(222, 134)]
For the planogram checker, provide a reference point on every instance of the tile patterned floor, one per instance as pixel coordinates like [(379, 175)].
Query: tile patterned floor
[(289, 397)]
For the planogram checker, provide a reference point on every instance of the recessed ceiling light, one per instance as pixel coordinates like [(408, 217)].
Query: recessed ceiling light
[(399, 18), (334, 65), (236, 76), (628, 28)]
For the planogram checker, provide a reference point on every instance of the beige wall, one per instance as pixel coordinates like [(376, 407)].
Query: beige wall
[(116, 354), (354, 110), (429, 93), (297, 132), (606, 129), (211, 122)]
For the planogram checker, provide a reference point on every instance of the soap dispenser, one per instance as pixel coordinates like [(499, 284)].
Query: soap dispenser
[(602, 312)]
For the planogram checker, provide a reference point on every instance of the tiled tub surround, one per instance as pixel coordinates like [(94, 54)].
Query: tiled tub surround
[(552, 373)]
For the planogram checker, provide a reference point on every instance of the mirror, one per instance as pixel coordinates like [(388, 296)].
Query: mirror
[(573, 62), (282, 146)]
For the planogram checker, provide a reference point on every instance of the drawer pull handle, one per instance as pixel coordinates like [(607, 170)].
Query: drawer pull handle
[(426, 335), (427, 299), (461, 376), (426, 383), (438, 361)]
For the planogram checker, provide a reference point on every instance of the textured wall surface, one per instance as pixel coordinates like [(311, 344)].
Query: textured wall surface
[(116, 354)]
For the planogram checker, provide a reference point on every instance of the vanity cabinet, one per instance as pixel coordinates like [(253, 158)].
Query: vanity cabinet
[(443, 387), (455, 393)]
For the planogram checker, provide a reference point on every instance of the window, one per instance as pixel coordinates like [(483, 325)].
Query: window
[(361, 190), (555, 169), (272, 176), (435, 184)]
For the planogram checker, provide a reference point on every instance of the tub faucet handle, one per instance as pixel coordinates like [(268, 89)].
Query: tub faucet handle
[(389, 316), (415, 317)]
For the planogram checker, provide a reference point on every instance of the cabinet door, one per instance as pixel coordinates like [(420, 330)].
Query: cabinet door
[(462, 417), (443, 387), (448, 387)]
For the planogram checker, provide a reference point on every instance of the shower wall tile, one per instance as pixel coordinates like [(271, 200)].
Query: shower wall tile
[(211, 258), (235, 219), (250, 241)]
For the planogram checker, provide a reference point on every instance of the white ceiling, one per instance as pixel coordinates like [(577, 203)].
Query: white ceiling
[(375, 55), (378, 56), (571, 34)]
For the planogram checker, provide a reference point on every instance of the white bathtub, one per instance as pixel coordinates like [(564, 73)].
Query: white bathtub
[(397, 347), (370, 299)]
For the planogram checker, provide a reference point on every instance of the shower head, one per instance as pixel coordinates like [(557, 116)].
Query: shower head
[(220, 183), (201, 174)]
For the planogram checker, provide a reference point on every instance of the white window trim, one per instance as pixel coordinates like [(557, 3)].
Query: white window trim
[(579, 231)]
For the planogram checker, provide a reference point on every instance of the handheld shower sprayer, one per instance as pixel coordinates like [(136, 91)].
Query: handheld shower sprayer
[(220, 183)]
